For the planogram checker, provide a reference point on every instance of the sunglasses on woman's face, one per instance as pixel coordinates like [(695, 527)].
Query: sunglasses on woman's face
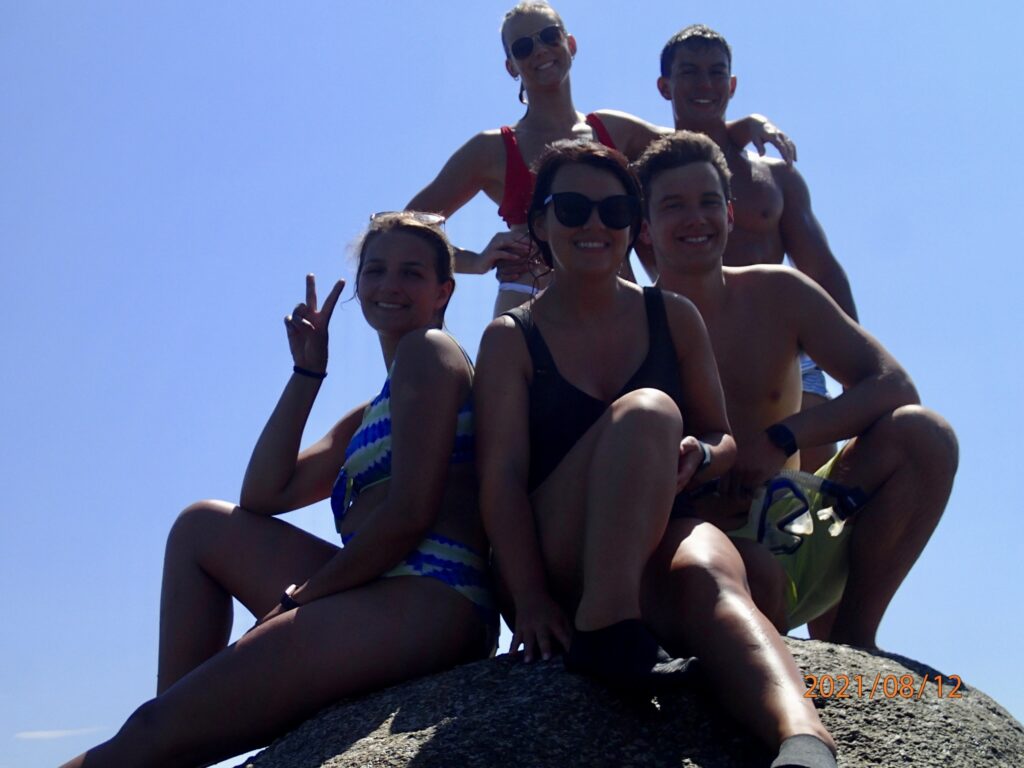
[(573, 209), (523, 46)]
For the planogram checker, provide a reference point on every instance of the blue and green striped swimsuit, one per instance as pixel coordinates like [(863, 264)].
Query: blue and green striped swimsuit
[(368, 462)]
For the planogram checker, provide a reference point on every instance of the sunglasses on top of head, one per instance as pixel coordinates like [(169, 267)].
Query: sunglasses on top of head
[(523, 46), (573, 209)]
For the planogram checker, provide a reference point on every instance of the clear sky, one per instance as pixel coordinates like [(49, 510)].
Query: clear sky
[(169, 171)]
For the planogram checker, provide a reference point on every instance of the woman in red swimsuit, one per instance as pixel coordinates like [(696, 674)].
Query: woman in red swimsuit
[(539, 54)]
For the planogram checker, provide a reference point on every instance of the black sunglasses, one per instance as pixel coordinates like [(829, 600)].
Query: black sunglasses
[(523, 46), (573, 209)]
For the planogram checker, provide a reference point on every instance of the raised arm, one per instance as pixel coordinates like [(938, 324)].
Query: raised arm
[(503, 458), (469, 171), (804, 240), (429, 381), (705, 418), (279, 478)]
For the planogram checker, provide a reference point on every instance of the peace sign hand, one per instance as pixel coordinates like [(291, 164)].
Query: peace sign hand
[(307, 327)]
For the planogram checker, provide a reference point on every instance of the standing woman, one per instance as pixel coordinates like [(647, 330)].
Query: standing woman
[(539, 54), (406, 596), (598, 403)]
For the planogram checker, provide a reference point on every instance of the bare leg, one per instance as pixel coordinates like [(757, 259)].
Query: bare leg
[(906, 461), (613, 490), (815, 456), (285, 670), (765, 580), (216, 550), (697, 600)]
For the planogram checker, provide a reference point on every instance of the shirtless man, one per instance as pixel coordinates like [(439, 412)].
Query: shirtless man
[(772, 204), (900, 455)]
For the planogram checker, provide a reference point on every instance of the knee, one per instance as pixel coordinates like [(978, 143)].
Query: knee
[(198, 524), (649, 412), (707, 564), (926, 436)]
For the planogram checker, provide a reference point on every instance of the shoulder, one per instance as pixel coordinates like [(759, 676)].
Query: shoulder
[(682, 314), (481, 147), (502, 332), (774, 287), (430, 355), (786, 176), (676, 305), (762, 277)]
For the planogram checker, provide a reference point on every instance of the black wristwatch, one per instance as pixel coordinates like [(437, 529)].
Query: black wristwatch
[(287, 601), (782, 437)]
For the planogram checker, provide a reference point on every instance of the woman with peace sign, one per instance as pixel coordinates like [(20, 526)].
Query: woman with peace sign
[(332, 621)]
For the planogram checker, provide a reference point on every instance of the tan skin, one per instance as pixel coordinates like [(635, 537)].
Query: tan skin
[(356, 632), (772, 205), (479, 165), (573, 551), (557, 547), (904, 456)]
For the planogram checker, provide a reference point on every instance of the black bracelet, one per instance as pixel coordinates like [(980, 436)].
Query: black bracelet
[(782, 437), (308, 373), (287, 601)]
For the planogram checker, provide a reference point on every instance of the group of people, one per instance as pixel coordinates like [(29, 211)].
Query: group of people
[(600, 478)]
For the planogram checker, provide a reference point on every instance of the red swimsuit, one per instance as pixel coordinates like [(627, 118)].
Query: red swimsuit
[(519, 179)]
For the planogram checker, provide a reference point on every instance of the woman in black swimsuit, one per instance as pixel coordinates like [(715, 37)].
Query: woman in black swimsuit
[(599, 402), (596, 405)]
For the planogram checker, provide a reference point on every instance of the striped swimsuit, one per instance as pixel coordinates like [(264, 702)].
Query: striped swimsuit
[(368, 463)]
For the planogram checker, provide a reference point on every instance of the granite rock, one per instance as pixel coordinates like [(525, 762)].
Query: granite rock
[(501, 712)]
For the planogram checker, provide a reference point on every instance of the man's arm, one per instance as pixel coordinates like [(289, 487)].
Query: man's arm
[(874, 383), (805, 242)]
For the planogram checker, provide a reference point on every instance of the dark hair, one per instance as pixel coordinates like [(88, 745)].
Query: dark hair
[(409, 222), (696, 35), (519, 9), (676, 150), (578, 152)]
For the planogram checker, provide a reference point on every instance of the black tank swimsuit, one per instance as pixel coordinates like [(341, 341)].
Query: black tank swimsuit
[(561, 413)]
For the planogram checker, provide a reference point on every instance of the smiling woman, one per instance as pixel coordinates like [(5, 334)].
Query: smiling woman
[(406, 595), (600, 402)]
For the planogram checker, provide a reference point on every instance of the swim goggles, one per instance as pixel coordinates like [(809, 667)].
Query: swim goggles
[(573, 209), (786, 496), (523, 46)]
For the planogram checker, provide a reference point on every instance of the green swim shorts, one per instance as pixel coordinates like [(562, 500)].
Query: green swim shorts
[(816, 572)]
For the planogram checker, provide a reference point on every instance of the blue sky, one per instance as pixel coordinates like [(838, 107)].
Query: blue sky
[(170, 171)]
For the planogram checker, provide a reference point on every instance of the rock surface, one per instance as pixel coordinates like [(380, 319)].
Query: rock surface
[(501, 712)]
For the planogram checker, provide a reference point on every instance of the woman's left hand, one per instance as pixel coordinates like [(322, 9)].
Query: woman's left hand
[(307, 327)]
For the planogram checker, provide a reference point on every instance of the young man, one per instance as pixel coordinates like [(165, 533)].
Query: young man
[(901, 456), (773, 216)]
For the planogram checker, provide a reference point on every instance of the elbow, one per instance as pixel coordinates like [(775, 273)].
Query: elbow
[(901, 389)]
